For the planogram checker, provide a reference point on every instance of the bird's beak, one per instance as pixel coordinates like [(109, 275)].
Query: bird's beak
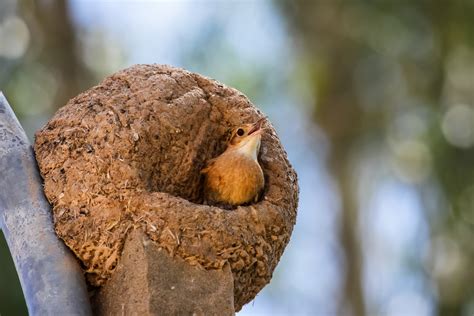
[(256, 126)]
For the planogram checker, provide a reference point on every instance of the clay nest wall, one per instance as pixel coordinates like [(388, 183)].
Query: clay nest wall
[(127, 154)]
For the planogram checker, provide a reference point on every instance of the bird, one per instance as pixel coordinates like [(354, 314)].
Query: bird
[(235, 177)]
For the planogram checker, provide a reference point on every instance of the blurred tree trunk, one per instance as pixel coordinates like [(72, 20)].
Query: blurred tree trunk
[(55, 41), (353, 295), (337, 112), (53, 44)]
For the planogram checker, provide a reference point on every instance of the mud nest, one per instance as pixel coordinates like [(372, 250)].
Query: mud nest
[(127, 154)]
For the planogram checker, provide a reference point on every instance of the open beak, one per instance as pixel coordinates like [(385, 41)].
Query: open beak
[(256, 126)]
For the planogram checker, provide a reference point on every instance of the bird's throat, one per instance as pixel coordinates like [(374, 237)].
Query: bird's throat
[(250, 147)]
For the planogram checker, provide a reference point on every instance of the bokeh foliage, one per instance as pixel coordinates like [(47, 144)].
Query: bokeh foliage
[(398, 75), (389, 83)]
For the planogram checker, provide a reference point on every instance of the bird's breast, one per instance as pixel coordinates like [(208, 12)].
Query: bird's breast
[(234, 180)]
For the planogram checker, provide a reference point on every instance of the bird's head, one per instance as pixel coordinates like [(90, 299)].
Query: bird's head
[(246, 139)]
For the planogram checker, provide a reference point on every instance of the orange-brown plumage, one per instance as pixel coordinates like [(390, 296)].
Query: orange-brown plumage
[(235, 177)]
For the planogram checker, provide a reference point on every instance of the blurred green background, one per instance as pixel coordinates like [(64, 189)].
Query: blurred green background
[(373, 100)]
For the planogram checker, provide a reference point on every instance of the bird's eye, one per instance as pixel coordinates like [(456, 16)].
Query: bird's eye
[(240, 132)]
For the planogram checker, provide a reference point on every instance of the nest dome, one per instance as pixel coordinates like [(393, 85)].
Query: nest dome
[(127, 154)]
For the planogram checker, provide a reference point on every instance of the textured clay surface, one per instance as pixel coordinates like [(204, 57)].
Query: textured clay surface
[(127, 154)]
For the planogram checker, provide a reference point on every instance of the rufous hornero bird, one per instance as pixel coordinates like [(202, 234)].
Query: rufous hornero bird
[(235, 177)]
